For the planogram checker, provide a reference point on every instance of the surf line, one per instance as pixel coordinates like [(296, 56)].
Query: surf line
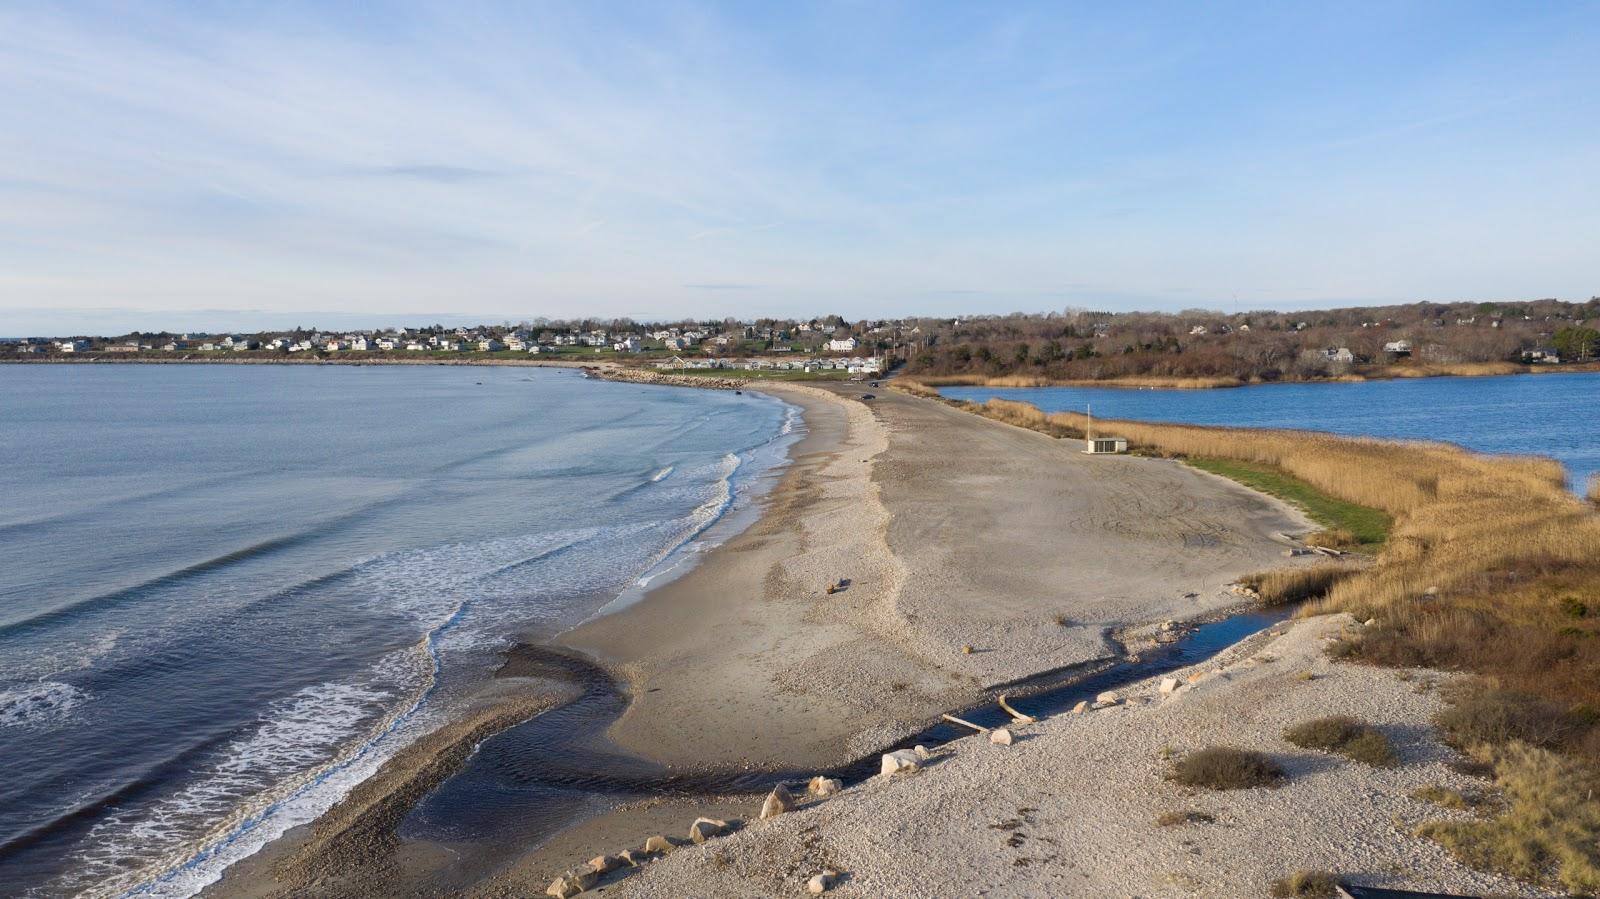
[(235, 827)]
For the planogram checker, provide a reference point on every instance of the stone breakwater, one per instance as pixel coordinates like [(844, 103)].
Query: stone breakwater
[(644, 376)]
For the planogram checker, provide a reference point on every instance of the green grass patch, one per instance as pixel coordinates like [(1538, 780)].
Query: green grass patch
[(1369, 527)]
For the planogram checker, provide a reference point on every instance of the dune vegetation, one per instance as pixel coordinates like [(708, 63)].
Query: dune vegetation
[(1490, 567)]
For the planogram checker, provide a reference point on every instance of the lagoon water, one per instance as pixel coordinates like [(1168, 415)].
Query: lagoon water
[(1545, 414), (227, 593)]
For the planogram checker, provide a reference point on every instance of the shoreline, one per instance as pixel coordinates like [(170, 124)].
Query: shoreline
[(619, 370), (804, 682)]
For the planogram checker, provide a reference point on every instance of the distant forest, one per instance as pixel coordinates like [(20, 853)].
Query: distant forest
[(1255, 346)]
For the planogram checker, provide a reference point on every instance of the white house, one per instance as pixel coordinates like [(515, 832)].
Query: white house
[(72, 346), (416, 346), (361, 343), (842, 345), (1398, 347), (628, 344), (490, 345)]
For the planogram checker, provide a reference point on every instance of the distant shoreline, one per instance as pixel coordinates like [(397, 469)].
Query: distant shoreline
[(1394, 373), (733, 378)]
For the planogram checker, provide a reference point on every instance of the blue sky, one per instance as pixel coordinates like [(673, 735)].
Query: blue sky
[(228, 165)]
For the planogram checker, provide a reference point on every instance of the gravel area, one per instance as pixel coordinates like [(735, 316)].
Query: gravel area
[(1070, 808)]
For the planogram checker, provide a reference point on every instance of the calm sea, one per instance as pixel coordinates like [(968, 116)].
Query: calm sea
[(227, 593), (1547, 414)]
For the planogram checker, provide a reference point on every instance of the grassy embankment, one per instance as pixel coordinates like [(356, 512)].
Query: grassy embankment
[(1491, 567), (1345, 524)]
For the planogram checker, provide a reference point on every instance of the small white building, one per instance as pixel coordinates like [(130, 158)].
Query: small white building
[(1100, 446), (490, 345), (842, 345)]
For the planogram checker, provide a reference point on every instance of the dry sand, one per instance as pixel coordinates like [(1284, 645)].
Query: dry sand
[(1070, 809), (951, 530)]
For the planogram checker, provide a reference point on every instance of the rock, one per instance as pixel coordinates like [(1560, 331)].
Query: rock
[(1000, 736), (821, 883), (1197, 677), (602, 864), (1168, 684), (900, 760), (1370, 622), (778, 802), (705, 828), (966, 649), (563, 887), (824, 786), (922, 752), (658, 844), (571, 884), (633, 858), (1431, 591), (1107, 697), (1081, 707)]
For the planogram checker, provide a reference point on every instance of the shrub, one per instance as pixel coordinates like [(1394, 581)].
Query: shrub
[(1574, 607), (1306, 885), (1346, 736), (1226, 768), (1479, 716), (1551, 822), (1185, 816)]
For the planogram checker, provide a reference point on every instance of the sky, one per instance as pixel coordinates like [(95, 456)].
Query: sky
[(227, 165)]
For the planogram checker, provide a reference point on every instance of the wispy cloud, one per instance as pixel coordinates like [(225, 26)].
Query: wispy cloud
[(535, 159)]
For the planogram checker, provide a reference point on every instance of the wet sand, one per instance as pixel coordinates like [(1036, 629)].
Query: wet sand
[(948, 531)]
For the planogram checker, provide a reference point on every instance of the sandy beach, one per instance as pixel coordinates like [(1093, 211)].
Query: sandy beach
[(971, 555)]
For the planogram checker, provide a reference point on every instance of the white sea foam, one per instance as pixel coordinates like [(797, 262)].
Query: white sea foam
[(298, 762), (661, 474), (38, 704)]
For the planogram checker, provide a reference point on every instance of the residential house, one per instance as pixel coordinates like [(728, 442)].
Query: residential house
[(490, 345), (842, 345)]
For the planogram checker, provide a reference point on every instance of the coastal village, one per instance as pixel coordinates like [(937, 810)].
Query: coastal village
[(1206, 347)]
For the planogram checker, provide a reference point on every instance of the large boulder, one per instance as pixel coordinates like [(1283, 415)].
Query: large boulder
[(1000, 736), (658, 844), (705, 828), (602, 864), (900, 760), (1168, 684), (778, 802), (821, 883)]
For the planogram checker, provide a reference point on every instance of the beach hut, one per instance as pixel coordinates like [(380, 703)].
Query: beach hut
[(1102, 445)]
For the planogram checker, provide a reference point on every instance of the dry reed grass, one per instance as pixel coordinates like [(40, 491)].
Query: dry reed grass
[(1293, 585)]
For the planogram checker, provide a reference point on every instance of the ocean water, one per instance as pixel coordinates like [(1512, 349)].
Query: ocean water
[(1545, 414), (228, 593)]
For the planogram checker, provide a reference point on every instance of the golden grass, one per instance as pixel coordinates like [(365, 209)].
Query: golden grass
[(1291, 585), (1550, 822), (1594, 489)]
